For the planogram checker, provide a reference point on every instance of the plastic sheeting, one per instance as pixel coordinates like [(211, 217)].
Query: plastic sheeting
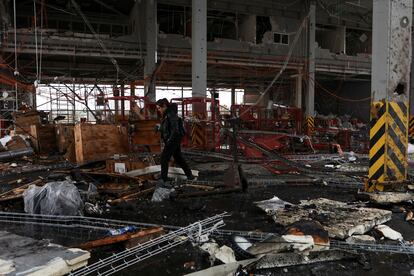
[(161, 194), (5, 140), (54, 198), (410, 148)]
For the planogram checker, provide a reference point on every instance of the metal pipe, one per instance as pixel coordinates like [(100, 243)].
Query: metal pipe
[(11, 154)]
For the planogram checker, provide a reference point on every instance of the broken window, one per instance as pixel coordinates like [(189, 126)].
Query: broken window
[(280, 38)]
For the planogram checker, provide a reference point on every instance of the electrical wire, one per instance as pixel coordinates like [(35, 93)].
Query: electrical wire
[(324, 89), (295, 41), (101, 44)]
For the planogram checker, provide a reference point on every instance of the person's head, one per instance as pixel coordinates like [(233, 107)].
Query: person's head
[(162, 105), (134, 106)]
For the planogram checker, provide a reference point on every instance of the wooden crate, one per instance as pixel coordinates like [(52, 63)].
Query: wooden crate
[(24, 121), (44, 138), (99, 142), (16, 143), (65, 138), (145, 137), (129, 164)]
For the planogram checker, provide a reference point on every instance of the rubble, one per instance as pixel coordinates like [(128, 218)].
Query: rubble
[(17, 193), (173, 172), (105, 175), (223, 253), (279, 260), (301, 236), (161, 194), (49, 259), (389, 233), (338, 218), (390, 197), (223, 270), (292, 259), (360, 239), (409, 215), (282, 244), (273, 204)]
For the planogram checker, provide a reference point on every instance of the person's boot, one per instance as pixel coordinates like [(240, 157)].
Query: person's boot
[(164, 184), (191, 177)]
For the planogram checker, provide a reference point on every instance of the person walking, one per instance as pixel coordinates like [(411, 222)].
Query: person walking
[(172, 131)]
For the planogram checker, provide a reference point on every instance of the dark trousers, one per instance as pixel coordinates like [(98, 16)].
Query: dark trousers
[(174, 150)]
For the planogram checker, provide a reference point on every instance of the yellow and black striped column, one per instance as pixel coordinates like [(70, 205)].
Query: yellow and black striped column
[(198, 134), (388, 144), (310, 125), (411, 127)]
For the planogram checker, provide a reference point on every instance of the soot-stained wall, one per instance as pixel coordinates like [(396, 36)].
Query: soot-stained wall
[(325, 103)]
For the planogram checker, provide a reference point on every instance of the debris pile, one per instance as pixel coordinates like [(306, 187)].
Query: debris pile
[(78, 176), (340, 219)]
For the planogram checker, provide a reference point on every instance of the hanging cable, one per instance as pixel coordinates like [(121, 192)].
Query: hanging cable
[(16, 72), (36, 46), (100, 42), (41, 40), (285, 64), (324, 89)]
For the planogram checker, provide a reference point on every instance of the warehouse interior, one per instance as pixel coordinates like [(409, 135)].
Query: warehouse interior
[(292, 153)]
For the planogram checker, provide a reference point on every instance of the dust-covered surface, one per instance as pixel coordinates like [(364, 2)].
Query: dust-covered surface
[(245, 215), (22, 255)]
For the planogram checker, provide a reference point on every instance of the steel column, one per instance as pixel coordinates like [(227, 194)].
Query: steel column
[(199, 48), (298, 86), (122, 101), (310, 95), (391, 66), (151, 46)]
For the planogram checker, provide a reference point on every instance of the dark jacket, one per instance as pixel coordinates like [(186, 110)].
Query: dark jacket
[(172, 129)]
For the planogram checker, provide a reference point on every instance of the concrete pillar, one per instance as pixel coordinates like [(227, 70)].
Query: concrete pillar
[(132, 88), (247, 28), (115, 92), (298, 89), (123, 101), (390, 90), (151, 34), (411, 123), (391, 49), (341, 36), (412, 80), (310, 95), (199, 48)]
